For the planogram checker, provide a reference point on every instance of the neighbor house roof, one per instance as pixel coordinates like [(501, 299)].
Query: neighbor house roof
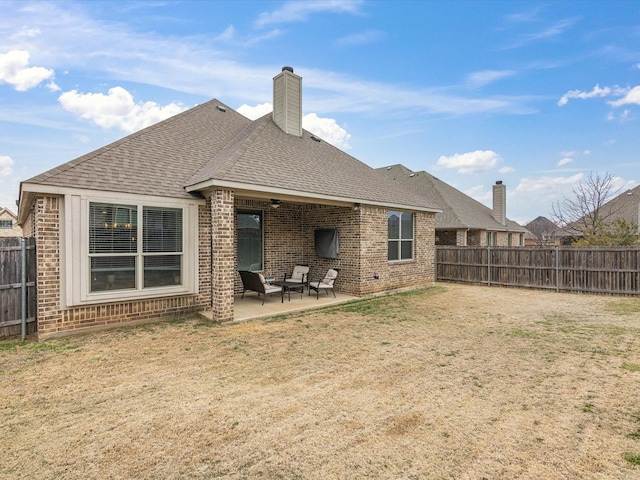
[(626, 206), (542, 227), (6, 211), (213, 145), (458, 209)]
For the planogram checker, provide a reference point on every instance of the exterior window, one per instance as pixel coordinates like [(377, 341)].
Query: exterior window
[(6, 224), (400, 236), (127, 254), (495, 239), (509, 239), (250, 244)]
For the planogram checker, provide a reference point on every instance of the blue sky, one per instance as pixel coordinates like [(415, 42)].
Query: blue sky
[(536, 94)]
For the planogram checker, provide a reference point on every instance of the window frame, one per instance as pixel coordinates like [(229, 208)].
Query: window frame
[(76, 268), (400, 237), (6, 223)]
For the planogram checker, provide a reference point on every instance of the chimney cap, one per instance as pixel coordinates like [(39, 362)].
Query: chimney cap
[(287, 69), (498, 182)]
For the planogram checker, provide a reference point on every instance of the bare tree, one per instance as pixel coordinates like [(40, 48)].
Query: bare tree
[(586, 214)]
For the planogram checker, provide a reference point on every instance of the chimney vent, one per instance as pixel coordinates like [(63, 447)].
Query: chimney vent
[(500, 202), (287, 69)]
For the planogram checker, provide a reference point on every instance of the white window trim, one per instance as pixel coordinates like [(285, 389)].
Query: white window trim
[(74, 250)]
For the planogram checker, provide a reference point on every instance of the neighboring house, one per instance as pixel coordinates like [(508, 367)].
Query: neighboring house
[(9, 224), (625, 206), (159, 222), (543, 232), (463, 220)]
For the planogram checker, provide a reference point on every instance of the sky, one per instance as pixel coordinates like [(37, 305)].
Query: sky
[(535, 94)]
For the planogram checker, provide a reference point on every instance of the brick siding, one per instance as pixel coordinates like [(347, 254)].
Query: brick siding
[(288, 240)]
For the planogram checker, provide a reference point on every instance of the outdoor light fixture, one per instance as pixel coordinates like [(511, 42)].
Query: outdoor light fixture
[(356, 206), (275, 203)]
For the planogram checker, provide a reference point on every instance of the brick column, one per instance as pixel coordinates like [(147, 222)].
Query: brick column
[(223, 263), (47, 232)]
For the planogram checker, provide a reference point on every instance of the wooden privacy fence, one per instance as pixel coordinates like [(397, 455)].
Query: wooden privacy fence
[(11, 292), (610, 270)]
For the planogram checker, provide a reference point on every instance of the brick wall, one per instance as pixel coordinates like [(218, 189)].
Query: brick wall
[(53, 321), (418, 272), (289, 239)]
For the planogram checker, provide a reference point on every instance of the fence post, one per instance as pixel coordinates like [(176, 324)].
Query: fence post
[(23, 289), (488, 265), (557, 269)]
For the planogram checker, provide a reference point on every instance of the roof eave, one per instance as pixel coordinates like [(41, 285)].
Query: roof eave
[(268, 192)]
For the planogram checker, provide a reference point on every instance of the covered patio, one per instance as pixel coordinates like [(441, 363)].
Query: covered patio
[(250, 307)]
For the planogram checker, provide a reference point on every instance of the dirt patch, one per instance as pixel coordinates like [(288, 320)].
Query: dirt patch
[(456, 381)]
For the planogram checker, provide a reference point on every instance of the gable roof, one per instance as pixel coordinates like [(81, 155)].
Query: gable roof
[(458, 210), (542, 227), (6, 211), (213, 145)]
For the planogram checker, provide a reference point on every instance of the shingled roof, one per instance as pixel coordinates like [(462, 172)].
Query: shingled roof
[(458, 209), (212, 144)]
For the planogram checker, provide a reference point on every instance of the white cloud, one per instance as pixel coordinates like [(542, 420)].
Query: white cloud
[(15, 71), (565, 161), (256, 112), (326, 128), (553, 31), (631, 97), (6, 166), (363, 38), (547, 189), (586, 152), (480, 194), (482, 78), (506, 170), (596, 92), (471, 162), (296, 11), (117, 109)]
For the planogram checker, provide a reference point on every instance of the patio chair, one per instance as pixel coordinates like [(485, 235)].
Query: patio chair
[(300, 274), (328, 282), (256, 282)]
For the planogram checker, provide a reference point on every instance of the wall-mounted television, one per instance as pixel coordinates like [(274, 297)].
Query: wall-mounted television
[(327, 243)]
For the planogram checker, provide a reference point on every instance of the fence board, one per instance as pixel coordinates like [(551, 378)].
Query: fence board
[(609, 270), (11, 283)]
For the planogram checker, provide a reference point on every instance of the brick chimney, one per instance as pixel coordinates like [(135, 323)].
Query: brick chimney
[(500, 202), (287, 101)]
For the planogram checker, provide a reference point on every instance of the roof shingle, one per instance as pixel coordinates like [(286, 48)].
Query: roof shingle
[(206, 144)]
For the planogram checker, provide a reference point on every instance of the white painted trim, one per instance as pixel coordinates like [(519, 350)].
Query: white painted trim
[(115, 197), (261, 191), (74, 252)]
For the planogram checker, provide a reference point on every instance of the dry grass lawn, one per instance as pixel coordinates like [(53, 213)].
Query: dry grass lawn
[(456, 381)]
